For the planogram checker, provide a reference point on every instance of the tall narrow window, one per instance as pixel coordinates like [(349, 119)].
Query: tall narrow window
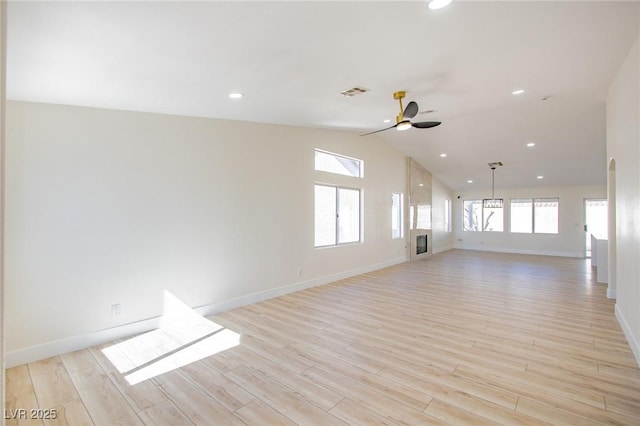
[(545, 219), (334, 163), (337, 215), (493, 219), (522, 216), (326, 223), (447, 215), (397, 230), (348, 215), (472, 215)]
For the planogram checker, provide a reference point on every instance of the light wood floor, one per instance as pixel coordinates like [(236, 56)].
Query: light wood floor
[(462, 338)]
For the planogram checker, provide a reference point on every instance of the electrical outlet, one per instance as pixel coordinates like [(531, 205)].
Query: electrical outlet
[(299, 272), (115, 310)]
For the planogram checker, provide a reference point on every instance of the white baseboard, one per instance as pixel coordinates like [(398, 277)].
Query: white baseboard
[(519, 251), (70, 344), (633, 343), (442, 250), (57, 347), (280, 291), (611, 293)]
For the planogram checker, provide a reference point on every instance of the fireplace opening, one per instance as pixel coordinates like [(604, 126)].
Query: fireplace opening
[(421, 244)]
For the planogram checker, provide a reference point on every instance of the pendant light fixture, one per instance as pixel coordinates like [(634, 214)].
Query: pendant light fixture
[(493, 202)]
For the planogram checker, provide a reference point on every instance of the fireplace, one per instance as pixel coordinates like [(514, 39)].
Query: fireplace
[(421, 244)]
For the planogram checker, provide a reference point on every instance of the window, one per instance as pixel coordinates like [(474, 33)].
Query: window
[(477, 218), (534, 215), (397, 229), (334, 163), (447, 215), (472, 211), (545, 216), (522, 216), (337, 215), (493, 219)]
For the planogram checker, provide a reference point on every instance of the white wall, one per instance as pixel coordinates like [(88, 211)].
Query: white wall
[(3, 56), (442, 241), (623, 145), (107, 207), (570, 240)]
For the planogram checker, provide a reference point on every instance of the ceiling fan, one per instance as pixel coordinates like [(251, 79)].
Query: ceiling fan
[(403, 120)]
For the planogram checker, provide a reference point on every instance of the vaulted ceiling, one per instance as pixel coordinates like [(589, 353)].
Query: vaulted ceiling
[(292, 59)]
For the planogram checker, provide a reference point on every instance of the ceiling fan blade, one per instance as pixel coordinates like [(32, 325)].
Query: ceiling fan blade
[(378, 131), (426, 124), (411, 110)]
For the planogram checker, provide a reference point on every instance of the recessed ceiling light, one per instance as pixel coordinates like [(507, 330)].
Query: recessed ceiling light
[(236, 95), (443, 155), (540, 177), (469, 181), (517, 92), (421, 184), (531, 144), (438, 4), (387, 121)]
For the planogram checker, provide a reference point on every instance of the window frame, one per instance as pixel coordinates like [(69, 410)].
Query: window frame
[(533, 201), (447, 215), (483, 209), (398, 215), (484, 219), (337, 241), (338, 157), (464, 213), (557, 212), (531, 217)]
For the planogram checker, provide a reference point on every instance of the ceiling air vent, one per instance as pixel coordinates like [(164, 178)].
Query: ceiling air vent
[(354, 91)]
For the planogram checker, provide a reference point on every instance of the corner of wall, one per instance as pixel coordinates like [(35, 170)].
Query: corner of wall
[(3, 55), (626, 329)]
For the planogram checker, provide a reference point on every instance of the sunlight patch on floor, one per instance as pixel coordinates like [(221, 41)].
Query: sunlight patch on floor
[(184, 337)]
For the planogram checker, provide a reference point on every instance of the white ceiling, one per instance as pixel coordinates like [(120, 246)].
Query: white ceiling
[(292, 60)]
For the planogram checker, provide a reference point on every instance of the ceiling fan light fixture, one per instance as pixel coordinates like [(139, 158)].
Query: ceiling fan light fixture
[(403, 119), (438, 4), (404, 125)]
